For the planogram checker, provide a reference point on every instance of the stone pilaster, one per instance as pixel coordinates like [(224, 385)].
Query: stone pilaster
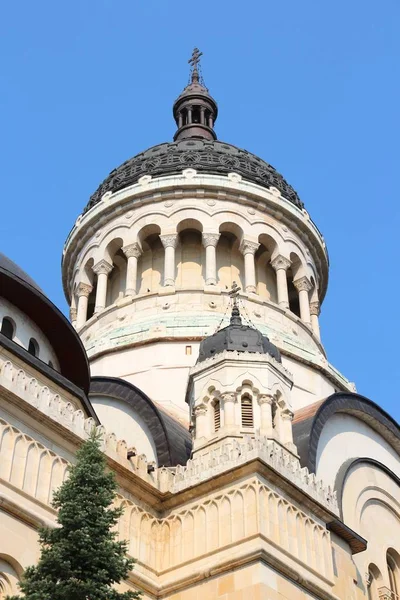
[(82, 291), (248, 249), (303, 286), (132, 253), (281, 264), (169, 242), (210, 241), (102, 270)]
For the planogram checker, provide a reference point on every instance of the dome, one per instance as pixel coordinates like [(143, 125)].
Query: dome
[(7, 264), (237, 338), (21, 291), (205, 156)]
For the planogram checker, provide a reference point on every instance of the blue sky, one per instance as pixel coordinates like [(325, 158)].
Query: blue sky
[(312, 87)]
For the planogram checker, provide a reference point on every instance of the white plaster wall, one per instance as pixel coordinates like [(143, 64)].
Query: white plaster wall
[(309, 385), (121, 419), (345, 437), (25, 329)]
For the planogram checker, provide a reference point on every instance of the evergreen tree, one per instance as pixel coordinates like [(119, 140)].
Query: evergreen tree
[(81, 559)]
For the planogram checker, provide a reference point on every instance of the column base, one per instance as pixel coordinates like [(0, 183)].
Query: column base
[(169, 282), (130, 292), (284, 305), (211, 281), (251, 289)]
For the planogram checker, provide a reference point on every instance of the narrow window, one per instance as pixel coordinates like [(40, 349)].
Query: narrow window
[(188, 350), (392, 570), (217, 416), (247, 412), (33, 347), (7, 328)]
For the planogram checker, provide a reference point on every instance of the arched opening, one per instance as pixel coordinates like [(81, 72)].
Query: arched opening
[(190, 255), (88, 277), (374, 581), (8, 328), (293, 273), (247, 411), (265, 274), (151, 262), (230, 262), (117, 277), (393, 567), (33, 347)]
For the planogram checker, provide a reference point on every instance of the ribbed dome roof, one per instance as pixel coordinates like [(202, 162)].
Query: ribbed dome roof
[(206, 156)]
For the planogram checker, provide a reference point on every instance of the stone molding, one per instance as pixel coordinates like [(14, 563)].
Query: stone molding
[(280, 262), (83, 289), (210, 239), (248, 247), (132, 250), (169, 240), (302, 284), (315, 308), (102, 267)]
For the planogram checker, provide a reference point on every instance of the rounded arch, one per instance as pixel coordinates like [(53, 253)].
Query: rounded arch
[(189, 223), (147, 231), (172, 440)]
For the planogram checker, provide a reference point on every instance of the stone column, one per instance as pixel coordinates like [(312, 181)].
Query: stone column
[(284, 426), (72, 310), (314, 312), (169, 242), (102, 269), (248, 249), (132, 253), (82, 291), (210, 241), (202, 115), (265, 403), (281, 265), (303, 286), (229, 399), (200, 413)]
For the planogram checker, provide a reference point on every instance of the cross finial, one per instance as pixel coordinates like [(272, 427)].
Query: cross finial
[(234, 293), (193, 62)]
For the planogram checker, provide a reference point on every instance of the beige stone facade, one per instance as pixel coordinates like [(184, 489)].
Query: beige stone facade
[(244, 474)]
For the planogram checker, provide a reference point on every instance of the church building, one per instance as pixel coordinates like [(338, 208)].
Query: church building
[(247, 465)]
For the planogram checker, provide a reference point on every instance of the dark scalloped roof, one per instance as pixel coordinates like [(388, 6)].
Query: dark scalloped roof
[(172, 440), (206, 156), (21, 291)]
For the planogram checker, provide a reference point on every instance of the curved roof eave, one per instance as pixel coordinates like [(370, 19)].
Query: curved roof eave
[(172, 440), (62, 337)]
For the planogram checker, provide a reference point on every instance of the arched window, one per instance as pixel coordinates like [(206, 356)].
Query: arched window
[(247, 412), (8, 328), (393, 571), (217, 416), (33, 347)]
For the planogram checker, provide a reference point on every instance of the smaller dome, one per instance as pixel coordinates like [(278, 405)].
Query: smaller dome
[(237, 337), (9, 265)]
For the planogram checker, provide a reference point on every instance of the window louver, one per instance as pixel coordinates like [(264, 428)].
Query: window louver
[(217, 416), (247, 412)]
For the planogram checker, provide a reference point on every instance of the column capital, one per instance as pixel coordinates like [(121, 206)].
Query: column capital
[(315, 308), (132, 250), (229, 397), (287, 415), (102, 267), (83, 289), (302, 284), (265, 399), (210, 239), (280, 262), (169, 240), (248, 247), (200, 410)]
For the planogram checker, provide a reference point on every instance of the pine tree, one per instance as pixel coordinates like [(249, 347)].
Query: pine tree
[(81, 559)]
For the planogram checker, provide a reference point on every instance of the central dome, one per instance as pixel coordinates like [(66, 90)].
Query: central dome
[(205, 156)]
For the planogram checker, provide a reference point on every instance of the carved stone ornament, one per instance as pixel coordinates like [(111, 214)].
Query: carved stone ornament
[(72, 314), (200, 410), (132, 250), (280, 262), (287, 415), (248, 247), (315, 308), (229, 397), (169, 240), (83, 289), (302, 284), (208, 156), (102, 267), (210, 239), (265, 399)]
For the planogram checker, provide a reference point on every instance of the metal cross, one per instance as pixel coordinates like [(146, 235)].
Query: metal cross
[(234, 292), (194, 61)]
